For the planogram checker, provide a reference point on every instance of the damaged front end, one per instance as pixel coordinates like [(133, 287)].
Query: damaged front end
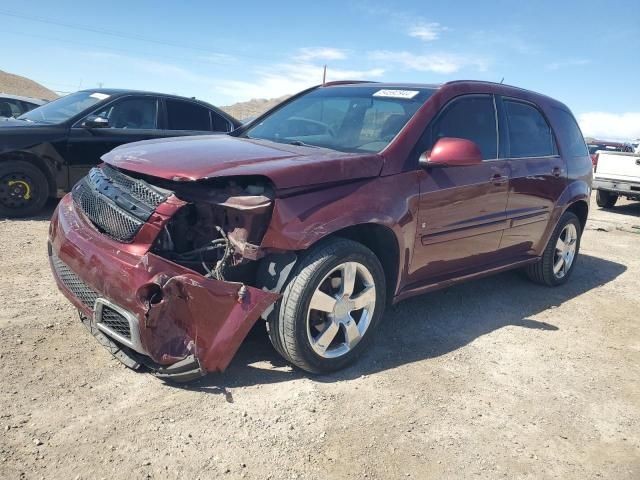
[(167, 274)]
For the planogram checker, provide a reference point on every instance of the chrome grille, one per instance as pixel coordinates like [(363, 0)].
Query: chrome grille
[(136, 188), (105, 215), (73, 283), (115, 322)]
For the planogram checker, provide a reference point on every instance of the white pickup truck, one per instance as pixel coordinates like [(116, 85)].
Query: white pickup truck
[(616, 174)]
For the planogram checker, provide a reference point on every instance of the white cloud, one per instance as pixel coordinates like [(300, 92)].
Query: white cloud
[(442, 63), (426, 32), (623, 126), (567, 63), (321, 53), (287, 78)]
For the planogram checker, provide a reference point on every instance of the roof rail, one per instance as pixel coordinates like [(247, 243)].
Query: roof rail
[(345, 82)]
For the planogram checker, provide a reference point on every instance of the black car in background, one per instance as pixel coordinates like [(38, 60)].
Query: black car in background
[(46, 150), (15, 105)]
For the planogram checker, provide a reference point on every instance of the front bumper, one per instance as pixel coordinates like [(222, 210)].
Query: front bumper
[(159, 313)]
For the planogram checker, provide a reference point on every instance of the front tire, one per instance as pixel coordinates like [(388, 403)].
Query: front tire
[(559, 256), (606, 199), (330, 308), (24, 189)]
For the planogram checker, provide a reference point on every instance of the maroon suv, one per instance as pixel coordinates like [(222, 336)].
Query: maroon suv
[(315, 216)]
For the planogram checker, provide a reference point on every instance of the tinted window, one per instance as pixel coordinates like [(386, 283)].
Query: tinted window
[(569, 134), (133, 113), (220, 124), (9, 108), (472, 118), (529, 133), (26, 106), (187, 116)]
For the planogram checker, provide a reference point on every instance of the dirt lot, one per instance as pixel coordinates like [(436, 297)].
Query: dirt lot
[(493, 379)]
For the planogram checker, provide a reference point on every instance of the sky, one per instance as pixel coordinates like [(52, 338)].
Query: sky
[(583, 53)]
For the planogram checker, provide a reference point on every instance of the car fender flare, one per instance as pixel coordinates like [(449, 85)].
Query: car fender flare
[(574, 192)]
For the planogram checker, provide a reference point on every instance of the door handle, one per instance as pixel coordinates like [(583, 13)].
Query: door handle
[(556, 172), (499, 179)]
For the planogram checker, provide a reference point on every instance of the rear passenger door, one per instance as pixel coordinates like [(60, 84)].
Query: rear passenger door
[(538, 175), (190, 118)]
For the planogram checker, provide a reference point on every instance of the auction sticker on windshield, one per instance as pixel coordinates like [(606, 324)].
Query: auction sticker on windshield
[(408, 94), (99, 96)]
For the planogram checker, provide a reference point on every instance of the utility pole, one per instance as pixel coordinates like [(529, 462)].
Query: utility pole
[(324, 75)]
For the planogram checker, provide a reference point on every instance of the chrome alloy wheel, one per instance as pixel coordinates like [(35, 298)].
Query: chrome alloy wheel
[(341, 309), (565, 250)]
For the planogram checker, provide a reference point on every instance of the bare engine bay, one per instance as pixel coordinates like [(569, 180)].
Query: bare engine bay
[(218, 232)]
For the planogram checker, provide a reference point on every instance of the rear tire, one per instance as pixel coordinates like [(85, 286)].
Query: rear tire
[(560, 255), (303, 334), (24, 189), (606, 199)]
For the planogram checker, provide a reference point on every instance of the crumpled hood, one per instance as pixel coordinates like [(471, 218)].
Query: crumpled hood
[(202, 157)]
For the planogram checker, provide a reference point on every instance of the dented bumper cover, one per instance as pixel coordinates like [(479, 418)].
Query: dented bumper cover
[(183, 323)]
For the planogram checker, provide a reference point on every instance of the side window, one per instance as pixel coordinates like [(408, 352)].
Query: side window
[(220, 124), (529, 133), (26, 106), (187, 116), (472, 118), (10, 107), (569, 134), (131, 113)]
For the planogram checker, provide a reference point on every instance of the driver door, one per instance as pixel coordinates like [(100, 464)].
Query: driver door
[(461, 213), (130, 119)]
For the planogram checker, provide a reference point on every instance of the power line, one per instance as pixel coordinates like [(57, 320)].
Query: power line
[(109, 48), (114, 33)]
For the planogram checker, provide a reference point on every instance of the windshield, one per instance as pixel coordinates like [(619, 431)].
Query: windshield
[(63, 108), (362, 118)]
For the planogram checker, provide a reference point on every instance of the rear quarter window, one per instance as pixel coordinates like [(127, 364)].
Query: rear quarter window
[(569, 135)]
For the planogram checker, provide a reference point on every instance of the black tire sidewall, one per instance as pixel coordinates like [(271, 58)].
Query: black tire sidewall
[(40, 188), (606, 199), (357, 253)]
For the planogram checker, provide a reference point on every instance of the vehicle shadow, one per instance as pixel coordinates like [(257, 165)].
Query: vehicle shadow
[(426, 326), (42, 215), (632, 209)]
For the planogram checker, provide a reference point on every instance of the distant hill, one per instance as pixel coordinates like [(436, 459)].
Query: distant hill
[(17, 85), (253, 107)]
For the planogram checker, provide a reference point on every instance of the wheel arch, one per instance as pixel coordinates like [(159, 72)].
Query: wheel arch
[(382, 241), (580, 208)]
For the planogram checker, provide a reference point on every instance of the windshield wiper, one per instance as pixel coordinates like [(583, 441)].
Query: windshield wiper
[(299, 143)]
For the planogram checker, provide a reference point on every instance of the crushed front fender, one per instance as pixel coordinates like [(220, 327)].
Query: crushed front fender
[(179, 321), (204, 318)]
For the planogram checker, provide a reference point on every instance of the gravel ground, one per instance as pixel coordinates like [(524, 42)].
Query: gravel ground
[(497, 378)]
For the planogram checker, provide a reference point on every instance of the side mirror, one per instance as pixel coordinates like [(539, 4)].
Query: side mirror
[(94, 121), (452, 152)]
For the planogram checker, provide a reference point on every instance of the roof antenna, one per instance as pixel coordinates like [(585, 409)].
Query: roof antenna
[(324, 75), (502, 81)]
